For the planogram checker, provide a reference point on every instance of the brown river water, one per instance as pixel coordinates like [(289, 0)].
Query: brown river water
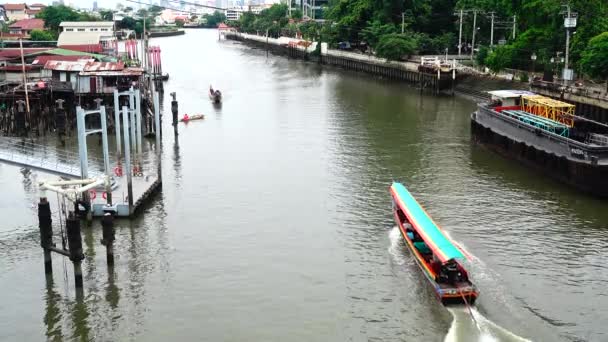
[(275, 223)]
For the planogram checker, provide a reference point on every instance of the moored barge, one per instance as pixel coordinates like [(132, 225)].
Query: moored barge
[(545, 134), (436, 255)]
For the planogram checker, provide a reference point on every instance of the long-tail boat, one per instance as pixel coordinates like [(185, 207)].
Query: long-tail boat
[(437, 256)]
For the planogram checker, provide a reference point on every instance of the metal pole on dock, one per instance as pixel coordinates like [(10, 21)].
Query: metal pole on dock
[(108, 237), (138, 121), (82, 143), (46, 231), (75, 246), (157, 130), (117, 123), (106, 156), (132, 118), (129, 172)]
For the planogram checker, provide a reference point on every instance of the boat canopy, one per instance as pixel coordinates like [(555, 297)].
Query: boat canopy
[(432, 235)]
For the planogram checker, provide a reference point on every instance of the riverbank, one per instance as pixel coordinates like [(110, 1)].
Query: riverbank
[(171, 33), (467, 82), (320, 53)]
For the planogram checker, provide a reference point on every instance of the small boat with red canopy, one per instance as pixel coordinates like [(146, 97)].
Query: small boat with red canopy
[(437, 256)]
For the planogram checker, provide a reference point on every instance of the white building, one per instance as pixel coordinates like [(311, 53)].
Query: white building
[(233, 13), (106, 28)]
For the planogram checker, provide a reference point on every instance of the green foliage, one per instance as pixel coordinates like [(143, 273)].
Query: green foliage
[(54, 15), (376, 29), (500, 58), (594, 60), (106, 15), (214, 19), (154, 10), (396, 46), (435, 45), (296, 14), (481, 56), (135, 25), (272, 19), (40, 35), (523, 77)]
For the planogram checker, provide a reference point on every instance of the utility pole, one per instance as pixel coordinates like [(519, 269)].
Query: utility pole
[(460, 33), (402, 22), (474, 30), (492, 30), (514, 25), (27, 99), (569, 22)]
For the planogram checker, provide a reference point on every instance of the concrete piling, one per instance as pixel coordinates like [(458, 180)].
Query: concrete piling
[(108, 237), (75, 247), (174, 112), (46, 232)]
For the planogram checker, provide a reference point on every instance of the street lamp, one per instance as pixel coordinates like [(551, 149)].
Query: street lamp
[(533, 58)]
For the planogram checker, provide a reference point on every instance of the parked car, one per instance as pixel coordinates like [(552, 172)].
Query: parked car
[(344, 46)]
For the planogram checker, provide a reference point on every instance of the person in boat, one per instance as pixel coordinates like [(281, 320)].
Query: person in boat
[(185, 118)]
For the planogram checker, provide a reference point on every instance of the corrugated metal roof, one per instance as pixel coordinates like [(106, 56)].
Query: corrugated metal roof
[(90, 48), (125, 72), (66, 52), (41, 60), (66, 65), (15, 52), (104, 66)]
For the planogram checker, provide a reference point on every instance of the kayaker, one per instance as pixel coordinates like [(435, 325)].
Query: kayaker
[(185, 118)]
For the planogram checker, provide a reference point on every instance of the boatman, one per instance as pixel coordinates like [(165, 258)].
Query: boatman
[(185, 118)]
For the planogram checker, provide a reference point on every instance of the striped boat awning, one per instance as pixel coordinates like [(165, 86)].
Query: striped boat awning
[(428, 230)]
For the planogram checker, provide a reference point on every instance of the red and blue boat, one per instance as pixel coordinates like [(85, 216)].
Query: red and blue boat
[(438, 257)]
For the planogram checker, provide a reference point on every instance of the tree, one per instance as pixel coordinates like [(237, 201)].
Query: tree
[(40, 35), (395, 46), (296, 14), (500, 58), (106, 15), (376, 29), (54, 15), (594, 59), (214, 19)]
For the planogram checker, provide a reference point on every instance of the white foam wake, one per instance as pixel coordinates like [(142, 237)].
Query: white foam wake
[(477, 328), (395, 249)]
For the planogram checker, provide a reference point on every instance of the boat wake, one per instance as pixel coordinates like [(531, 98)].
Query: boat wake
[(396, 247), (467, 325), (476, 328)]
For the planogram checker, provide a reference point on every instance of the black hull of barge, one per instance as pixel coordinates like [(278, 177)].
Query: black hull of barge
[(586, 177)]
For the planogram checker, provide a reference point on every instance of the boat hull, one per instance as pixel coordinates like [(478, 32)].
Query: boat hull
[(193, 117), (542, 151), (446, 294)]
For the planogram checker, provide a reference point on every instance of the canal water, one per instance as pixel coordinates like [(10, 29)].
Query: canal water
[(275, 223)]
